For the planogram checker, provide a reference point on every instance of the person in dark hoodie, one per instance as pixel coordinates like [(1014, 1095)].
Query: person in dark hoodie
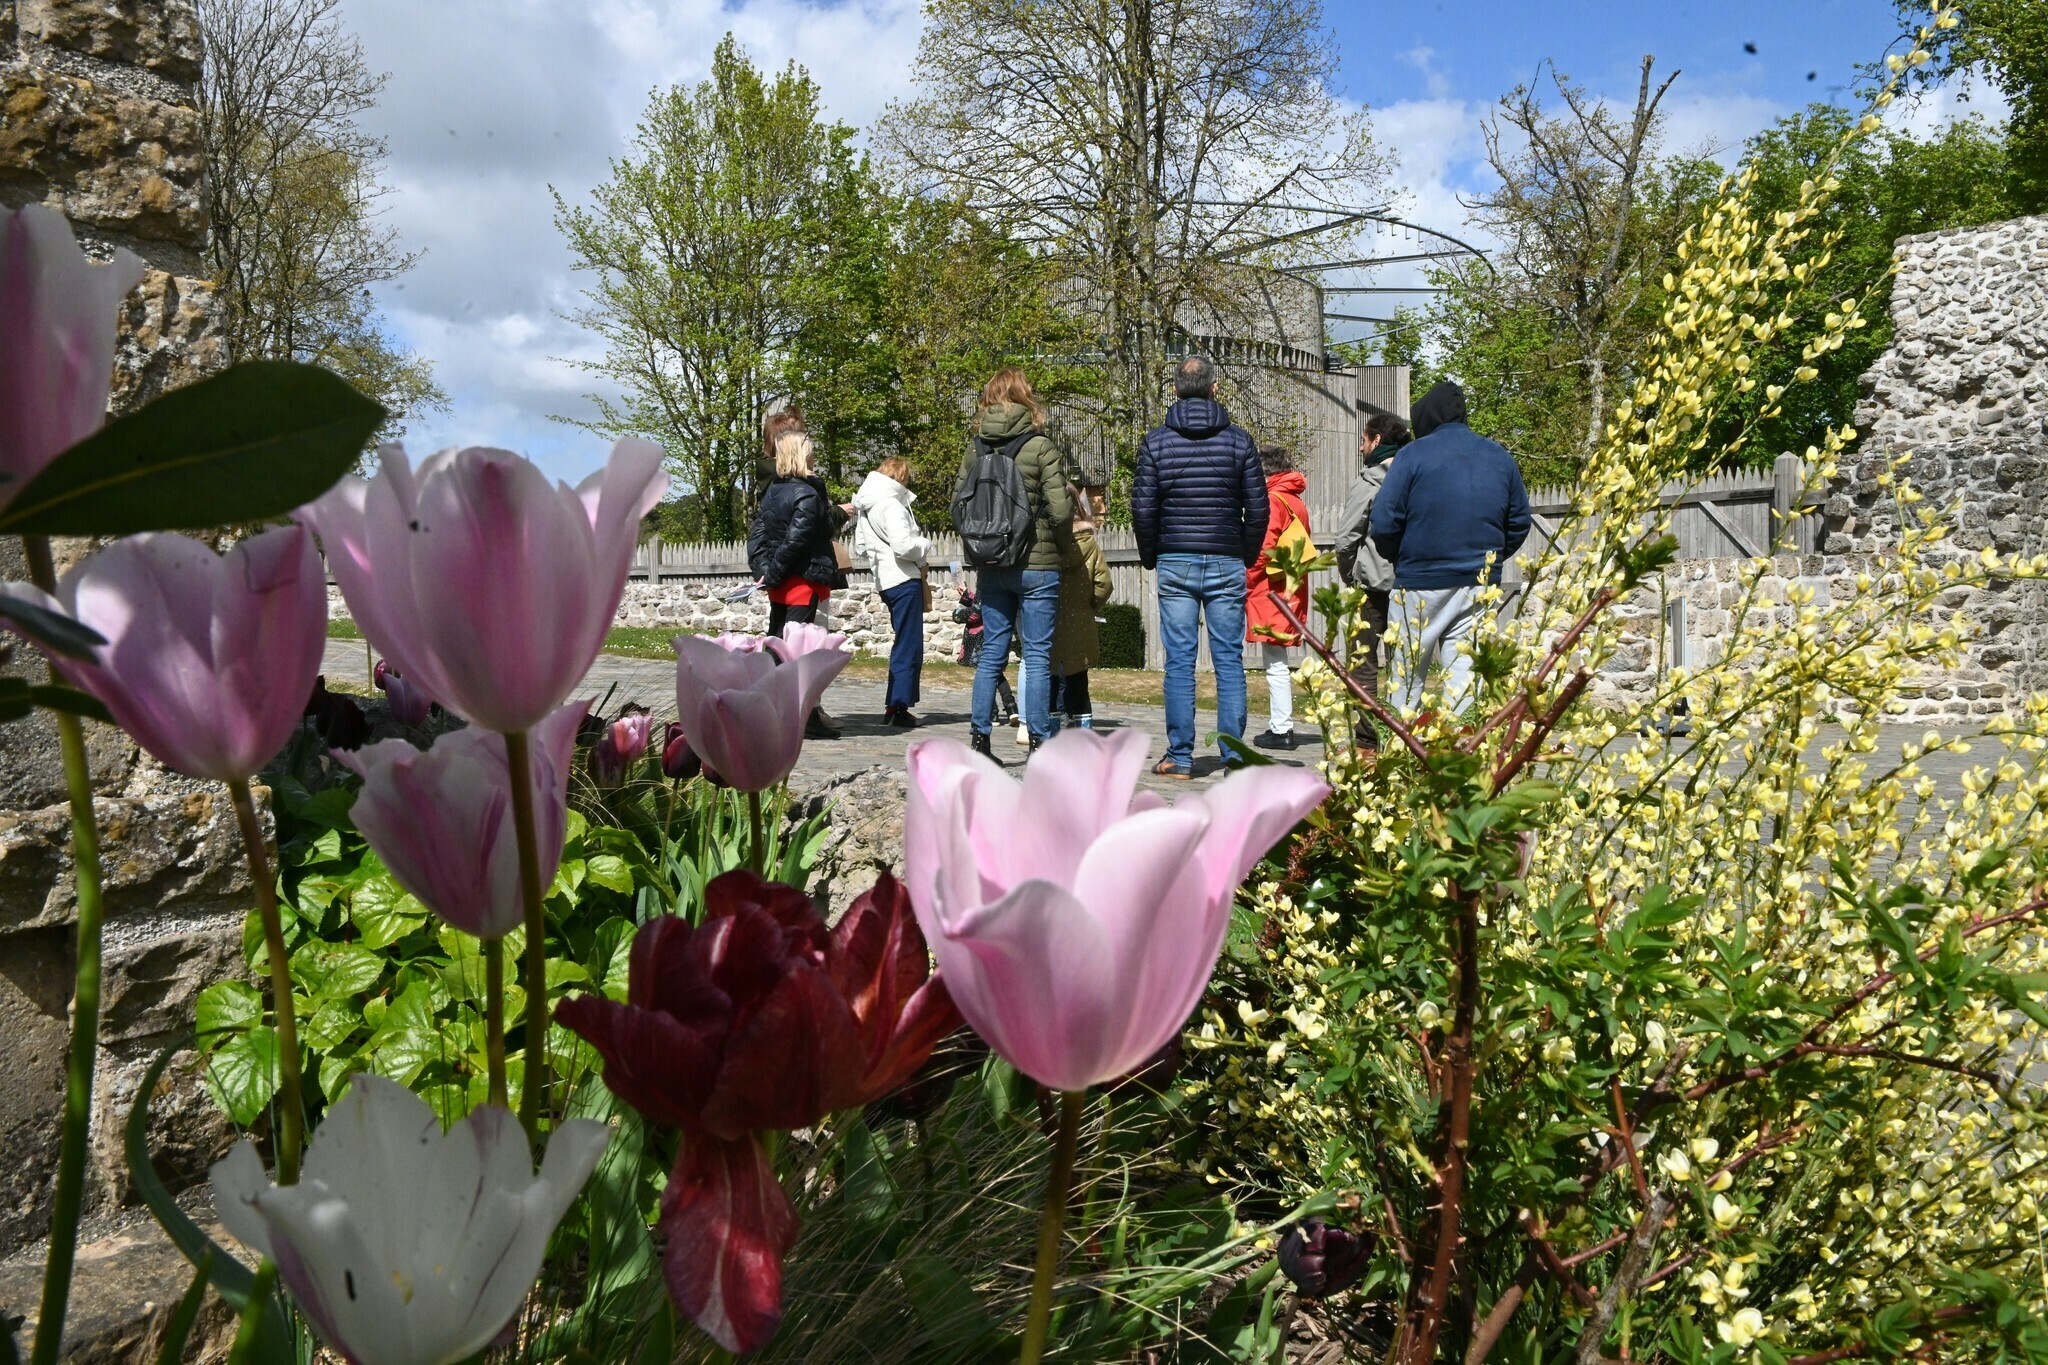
[(1199, 506), (1451, 514)]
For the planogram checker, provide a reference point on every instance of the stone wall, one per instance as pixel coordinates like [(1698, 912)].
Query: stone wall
[(100, 122), (858, 611), (1963, 391)]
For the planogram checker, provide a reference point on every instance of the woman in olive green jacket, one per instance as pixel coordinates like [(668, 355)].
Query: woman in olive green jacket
[(1024, 600), (1085, 589)]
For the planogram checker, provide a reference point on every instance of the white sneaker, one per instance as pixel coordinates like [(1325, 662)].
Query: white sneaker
[(1023, 733)]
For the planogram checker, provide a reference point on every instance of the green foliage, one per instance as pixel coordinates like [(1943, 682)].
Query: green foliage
[(1123, 636), (2006, 42), (1892, 186), (252, 442)]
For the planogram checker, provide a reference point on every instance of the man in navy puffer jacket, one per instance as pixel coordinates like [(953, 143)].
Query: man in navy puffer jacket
[(1449, 517), (1199, 507)]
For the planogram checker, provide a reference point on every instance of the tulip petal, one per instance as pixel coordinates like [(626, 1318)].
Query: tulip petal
[(728, 1226), (1249, 812), (343, 1286), (653, 1061), (1076, 787), (1035, 974), (928, 1018), (1145, 883), (238, 1181)]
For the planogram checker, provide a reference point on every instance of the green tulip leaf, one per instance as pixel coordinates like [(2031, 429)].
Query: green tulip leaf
[(244, 1073), (232, 1280), (179, 1330), (53, 630), (18, 697), (252, 442)]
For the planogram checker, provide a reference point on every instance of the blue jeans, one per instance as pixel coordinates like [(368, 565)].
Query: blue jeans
[(1025, 601), (1192, 587), (906, 654)]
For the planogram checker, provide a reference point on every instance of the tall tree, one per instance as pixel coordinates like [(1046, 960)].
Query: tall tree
[(1587, 209), (1152, 148), (2006, 40), (292, 184), (1892, 185), (726, 250)]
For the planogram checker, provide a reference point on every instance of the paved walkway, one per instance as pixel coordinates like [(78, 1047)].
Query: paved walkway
[(857, 705)]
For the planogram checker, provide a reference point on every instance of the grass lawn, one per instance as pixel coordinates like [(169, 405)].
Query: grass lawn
[(1130, 686)]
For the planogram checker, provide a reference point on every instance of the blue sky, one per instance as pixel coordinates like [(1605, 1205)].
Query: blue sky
[(492, 102)]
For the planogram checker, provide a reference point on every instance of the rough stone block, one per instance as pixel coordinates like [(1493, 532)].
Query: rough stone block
[(161, 36), (115, 162)]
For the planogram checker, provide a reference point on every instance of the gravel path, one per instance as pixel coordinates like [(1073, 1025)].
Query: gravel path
[(857, 706)]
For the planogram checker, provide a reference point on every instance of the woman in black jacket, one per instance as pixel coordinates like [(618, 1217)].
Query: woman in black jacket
[(789, 547)]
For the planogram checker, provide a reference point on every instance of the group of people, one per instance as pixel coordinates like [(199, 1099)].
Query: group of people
[(1431, 519)]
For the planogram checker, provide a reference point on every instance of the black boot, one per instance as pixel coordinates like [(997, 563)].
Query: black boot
[(977, 740), (820, 726), (1036, 742)]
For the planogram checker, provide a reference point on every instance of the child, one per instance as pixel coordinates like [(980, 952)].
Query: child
[(1076, 643)]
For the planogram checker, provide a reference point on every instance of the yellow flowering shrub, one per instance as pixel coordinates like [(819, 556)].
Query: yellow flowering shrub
[(1718, 1047)]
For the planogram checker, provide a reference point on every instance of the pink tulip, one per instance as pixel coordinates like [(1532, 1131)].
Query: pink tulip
[(441, 818), (1075, 923), (744, 706), (481, 581), (623, 744), (409, 704), (57, 317), (208, 658)]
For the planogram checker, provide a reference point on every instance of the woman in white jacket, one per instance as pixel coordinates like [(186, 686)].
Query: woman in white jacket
[(887, 534)]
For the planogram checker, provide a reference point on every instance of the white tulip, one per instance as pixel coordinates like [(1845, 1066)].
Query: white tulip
[(404, 1245)]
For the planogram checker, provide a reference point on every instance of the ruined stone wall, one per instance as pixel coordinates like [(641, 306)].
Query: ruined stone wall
[(1963, 391), (98, 120)]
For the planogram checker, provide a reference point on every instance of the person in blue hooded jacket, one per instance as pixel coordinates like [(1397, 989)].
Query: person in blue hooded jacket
[(1199, 507), (1449, 517)]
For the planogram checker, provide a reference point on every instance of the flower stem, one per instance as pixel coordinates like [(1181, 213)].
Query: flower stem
[(760, 824), (85, 1009), (1057, 1183), (533, 1093), (244, 1349), (291, 1109), (494, 1016)]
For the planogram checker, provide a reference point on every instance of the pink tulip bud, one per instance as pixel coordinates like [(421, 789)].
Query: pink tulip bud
[(441, 818), (57, 319), (623, 744), (744, 705), (485, 584), (409, 705), (208, 658), (1075, 919)]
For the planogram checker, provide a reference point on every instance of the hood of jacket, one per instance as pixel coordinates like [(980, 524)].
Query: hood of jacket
[(1292, 481), (878, 488), (1005, 422), (1196, 418), (1442, 405)]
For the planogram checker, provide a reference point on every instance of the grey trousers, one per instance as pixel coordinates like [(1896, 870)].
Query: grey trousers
[(1426, 626)]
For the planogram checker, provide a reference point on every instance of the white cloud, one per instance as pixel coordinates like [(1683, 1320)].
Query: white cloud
[(492, 102)]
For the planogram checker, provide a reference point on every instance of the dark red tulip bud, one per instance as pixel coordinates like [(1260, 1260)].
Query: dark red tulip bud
[(1322, 1260), (679, 761)]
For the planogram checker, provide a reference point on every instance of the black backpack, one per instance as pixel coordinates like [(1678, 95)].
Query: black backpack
[(993, 511)]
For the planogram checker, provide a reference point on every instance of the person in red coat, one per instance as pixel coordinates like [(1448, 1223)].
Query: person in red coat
[(1265, 625)]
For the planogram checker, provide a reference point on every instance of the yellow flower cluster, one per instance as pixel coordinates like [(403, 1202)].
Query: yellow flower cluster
[(1814, 845)]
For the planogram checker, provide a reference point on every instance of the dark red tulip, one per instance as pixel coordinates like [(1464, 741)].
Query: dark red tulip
[(759, 1018), (679, 761), (337, 718), (1322, 1260)]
